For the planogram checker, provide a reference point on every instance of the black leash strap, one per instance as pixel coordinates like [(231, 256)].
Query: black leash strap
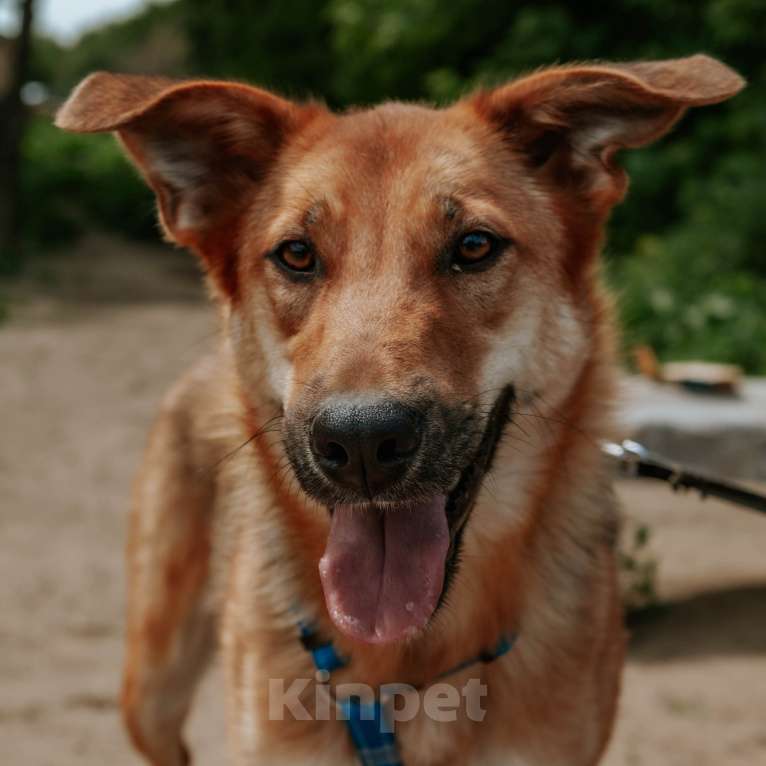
[(636, 460)]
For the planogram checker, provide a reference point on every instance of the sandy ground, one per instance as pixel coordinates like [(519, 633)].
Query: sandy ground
[(93, 341)]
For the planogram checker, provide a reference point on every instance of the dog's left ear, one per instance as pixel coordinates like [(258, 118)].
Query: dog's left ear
[(569, 121)]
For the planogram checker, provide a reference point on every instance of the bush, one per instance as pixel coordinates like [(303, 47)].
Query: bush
[(72, 183), (674, 297), (697, 290)]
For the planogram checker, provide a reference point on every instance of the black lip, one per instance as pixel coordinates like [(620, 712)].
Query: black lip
[(461, 500)]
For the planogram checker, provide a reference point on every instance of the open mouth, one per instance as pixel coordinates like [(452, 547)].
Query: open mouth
[(387, 568)]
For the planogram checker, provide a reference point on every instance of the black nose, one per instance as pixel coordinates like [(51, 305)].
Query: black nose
[(365, 444)]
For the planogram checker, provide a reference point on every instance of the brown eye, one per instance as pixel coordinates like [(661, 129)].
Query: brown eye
[(472, 249), (296, 256)]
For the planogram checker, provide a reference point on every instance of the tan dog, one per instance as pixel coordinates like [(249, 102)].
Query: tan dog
[(399, 436)]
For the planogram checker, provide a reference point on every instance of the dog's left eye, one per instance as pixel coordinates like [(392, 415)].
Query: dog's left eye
[(474, 250)]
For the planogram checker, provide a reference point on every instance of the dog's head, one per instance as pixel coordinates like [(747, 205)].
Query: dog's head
[(394, 277)]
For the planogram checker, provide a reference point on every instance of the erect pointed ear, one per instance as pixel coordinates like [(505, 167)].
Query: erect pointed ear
[(569, 121), (202, 146)]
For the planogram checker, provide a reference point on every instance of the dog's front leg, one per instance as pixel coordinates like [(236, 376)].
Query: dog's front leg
[(170, 627)]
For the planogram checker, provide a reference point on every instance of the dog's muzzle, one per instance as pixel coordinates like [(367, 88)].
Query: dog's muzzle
[(399, 480)]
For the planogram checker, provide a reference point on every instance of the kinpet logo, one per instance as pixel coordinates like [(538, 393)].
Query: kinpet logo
[(401, 702)]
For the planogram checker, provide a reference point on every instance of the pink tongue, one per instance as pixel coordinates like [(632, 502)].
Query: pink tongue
[(383, 571)]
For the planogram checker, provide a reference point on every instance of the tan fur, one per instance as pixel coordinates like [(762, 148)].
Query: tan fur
[(222, 533)]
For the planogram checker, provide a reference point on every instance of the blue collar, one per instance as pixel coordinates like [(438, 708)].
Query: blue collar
[(375, 743)]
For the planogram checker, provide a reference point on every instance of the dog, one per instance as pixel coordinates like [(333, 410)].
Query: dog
[(395, 451)]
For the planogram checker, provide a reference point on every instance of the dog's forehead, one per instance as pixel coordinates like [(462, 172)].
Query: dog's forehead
[(393, 156)]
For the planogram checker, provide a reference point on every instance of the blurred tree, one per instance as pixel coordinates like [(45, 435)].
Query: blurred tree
[(284, 45), (151, 42), (12, 114)]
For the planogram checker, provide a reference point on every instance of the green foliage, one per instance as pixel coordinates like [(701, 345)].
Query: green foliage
[(690, 296), (73, 182), (280, 45), (686, 252)]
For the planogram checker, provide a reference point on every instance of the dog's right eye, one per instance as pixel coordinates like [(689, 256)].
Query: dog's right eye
[(296, 256)]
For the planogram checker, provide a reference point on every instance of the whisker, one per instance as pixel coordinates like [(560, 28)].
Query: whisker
[(268, 427)]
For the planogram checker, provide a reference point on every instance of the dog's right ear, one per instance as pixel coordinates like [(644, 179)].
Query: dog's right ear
[(201, 145)]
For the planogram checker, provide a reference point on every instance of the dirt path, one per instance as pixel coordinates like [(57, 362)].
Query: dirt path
[(83, 364)]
